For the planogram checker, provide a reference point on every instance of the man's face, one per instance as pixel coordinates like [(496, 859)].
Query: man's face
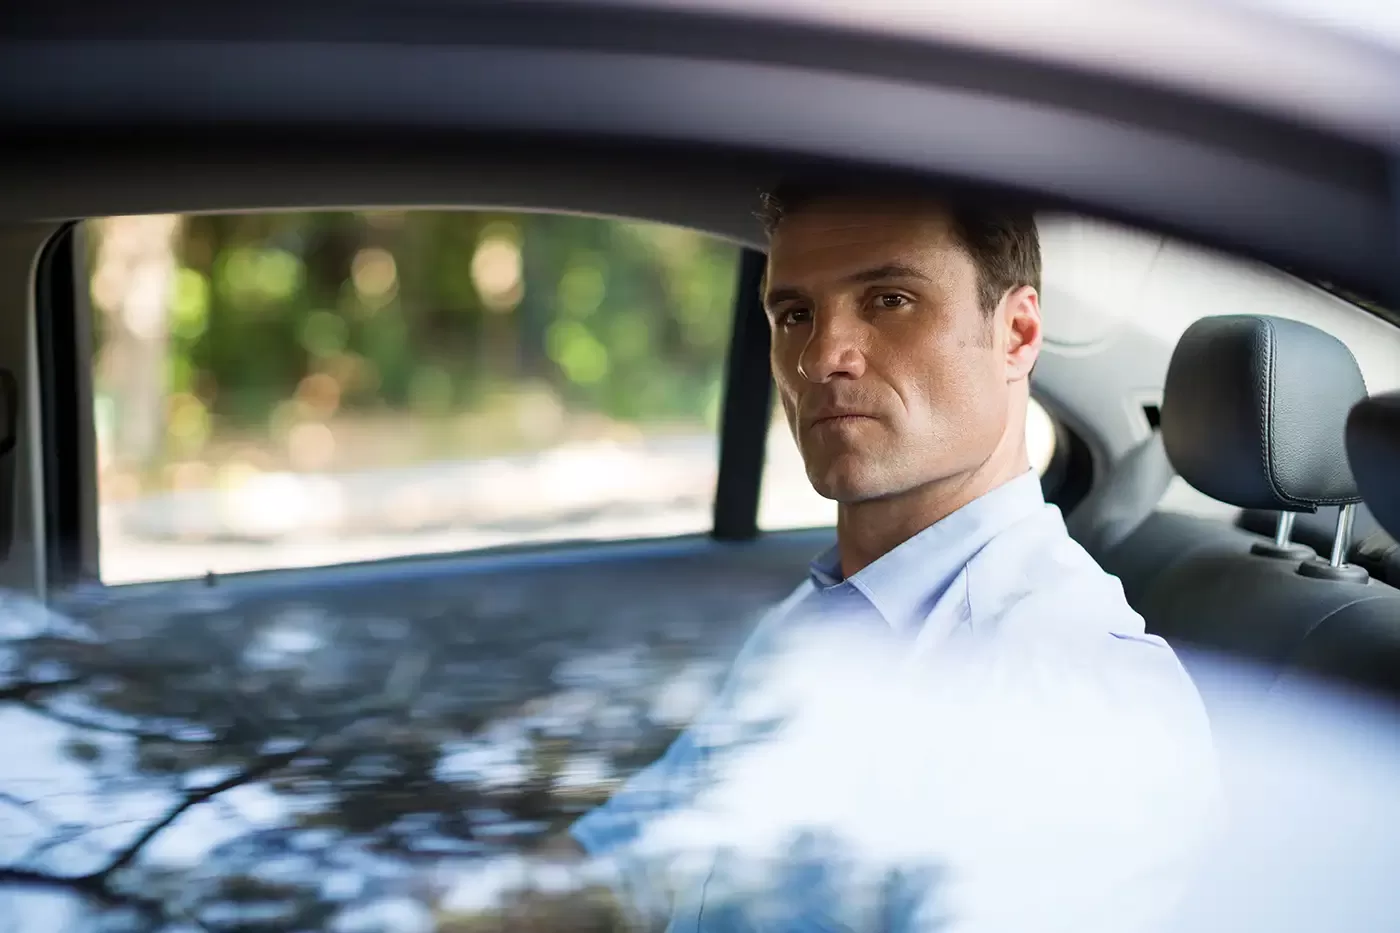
[(891, 374)]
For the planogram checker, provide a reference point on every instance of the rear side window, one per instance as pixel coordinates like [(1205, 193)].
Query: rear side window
[(279, 390)]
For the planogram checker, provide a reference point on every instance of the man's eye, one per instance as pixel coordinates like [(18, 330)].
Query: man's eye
[(795, 316), (890, 302)]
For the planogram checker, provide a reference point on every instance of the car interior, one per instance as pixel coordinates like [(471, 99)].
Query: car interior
[(454, 647)]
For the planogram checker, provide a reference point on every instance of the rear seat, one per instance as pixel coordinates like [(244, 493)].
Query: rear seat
[(1253, 415)]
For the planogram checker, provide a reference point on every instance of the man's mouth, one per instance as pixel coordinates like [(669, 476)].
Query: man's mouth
[(842, 418)]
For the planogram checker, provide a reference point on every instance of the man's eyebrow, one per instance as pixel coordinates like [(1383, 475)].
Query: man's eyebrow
[(780, 295), (892, 270)]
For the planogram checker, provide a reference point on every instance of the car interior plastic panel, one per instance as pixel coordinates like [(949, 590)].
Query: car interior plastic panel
[(1123, 500)]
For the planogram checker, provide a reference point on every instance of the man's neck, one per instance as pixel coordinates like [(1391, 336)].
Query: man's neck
[(866, 531)]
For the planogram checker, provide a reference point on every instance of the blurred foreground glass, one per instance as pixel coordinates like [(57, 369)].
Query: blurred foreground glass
[(281, 390)]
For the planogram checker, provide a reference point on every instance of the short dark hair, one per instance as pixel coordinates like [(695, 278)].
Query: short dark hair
[(1001, 240)]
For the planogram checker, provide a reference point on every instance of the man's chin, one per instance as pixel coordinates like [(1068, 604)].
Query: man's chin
[(854, 487), (848, 489)]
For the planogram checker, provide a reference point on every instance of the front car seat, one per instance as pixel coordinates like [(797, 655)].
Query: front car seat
[(1362, 649), (1373, 451), (1253, 415)]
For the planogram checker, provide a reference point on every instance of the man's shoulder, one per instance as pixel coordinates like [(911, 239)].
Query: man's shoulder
[(776, 617), (1047, 617), (766, 634), (1038, 575)]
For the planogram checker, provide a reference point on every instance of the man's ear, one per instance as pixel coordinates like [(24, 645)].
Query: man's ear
[(1021, 312)]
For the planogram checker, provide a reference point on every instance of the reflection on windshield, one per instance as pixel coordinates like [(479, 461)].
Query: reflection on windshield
[(291, 764), (287, 765)]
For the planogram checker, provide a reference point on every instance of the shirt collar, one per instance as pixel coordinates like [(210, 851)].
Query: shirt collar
[(904, 584)]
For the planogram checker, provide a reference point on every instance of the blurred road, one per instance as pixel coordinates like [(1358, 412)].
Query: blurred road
[(654, 488)]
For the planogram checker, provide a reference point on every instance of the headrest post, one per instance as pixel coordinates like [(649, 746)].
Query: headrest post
[(1336, 567), (1346, 517), (1282, 547)]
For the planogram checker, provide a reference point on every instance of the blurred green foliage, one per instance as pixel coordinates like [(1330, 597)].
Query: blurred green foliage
[(432, 313)]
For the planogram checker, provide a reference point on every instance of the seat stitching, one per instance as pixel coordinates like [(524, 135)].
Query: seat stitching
[(1270, 380)]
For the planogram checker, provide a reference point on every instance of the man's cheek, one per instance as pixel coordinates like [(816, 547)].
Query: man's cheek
[(789, 403)]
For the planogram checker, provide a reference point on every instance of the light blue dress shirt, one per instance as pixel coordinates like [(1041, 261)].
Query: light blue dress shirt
[(972, 733)]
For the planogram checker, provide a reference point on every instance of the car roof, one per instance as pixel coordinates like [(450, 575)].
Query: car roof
[(1341, 58), (678, 110)]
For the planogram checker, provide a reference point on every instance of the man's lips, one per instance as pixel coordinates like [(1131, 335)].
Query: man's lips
[(843, 417)]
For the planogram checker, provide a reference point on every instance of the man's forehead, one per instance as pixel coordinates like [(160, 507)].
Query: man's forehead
[(834, 237), (835, 212)]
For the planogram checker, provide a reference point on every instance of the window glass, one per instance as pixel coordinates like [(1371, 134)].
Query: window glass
[(787, 499), (295, 389)]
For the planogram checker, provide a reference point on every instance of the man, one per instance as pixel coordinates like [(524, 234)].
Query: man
[(965, 725)]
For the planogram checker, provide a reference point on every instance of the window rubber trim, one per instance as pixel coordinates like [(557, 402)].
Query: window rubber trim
[(65, 405), (748, 402)]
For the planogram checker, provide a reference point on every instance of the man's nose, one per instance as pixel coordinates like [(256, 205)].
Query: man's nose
[(833, 351)]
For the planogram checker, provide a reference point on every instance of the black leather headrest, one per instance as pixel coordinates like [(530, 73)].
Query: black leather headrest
[(1373, 448), (1254, 412)]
